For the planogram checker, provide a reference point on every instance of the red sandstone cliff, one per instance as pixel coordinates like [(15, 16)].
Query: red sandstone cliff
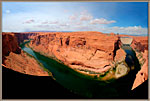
[(14, 58), (92, 51), (25, 36), (9, 44), (140, 45)]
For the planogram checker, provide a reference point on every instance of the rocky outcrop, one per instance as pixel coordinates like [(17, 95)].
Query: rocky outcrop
[(142, 75), (24, 64), (120, 55), (9, 44), (14, 58), (84, 50), (140, 44)]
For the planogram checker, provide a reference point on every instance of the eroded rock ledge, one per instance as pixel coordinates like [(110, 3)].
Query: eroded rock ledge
[(14, 58), (87, 50)]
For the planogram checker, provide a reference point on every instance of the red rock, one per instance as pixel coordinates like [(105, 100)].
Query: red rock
[(93, 49), (112, 33), (142, 75), (140, 45), (24, 64), (15, 59), (120, 55), (9, 44)]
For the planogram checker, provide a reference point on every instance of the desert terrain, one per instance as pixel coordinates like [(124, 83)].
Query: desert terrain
[(91, 53)]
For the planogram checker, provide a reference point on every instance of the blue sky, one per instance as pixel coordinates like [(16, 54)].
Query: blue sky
[(117, 17)]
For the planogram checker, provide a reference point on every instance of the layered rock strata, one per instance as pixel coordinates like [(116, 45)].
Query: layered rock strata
[(91, 51), (14, 58), (87, 52)]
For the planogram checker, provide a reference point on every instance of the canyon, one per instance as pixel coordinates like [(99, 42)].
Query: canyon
[(91, 53), (14, 58)]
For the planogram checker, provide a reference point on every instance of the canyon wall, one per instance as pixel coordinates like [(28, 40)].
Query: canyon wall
[(9, 44), (90, 51), (140, 45), (14, 58), (25, 36), (79, 50)]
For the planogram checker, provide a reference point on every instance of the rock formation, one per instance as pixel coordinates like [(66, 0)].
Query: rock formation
[(87, 50), (14, 58), (92, 52), (140, 45), (9, 44)]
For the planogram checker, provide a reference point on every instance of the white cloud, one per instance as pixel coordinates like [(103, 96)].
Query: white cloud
[(29, 21), (7, 11), (84, 28), (79, 23), (45, 22), (84, 12), (134, 30), (83, 22), (85, 17), (49, 22), (64, 24), (53, 22), (66, 11), (101, 21), (73, 17)]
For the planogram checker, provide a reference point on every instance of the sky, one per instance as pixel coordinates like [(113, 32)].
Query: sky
[(118, 17)]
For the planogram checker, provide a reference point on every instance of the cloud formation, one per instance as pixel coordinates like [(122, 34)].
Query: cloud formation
[(73, 17), (132, 30), (53, 22), (45, 22), (101, 21), (81, 21), (29, 21), (85, 17), (7, 11), (64, 24)]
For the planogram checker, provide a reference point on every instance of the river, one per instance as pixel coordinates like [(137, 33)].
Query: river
[(79, 83)]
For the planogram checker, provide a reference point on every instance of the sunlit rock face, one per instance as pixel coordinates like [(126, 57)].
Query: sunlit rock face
[(14, 58), (120, 55), (86, 50)]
